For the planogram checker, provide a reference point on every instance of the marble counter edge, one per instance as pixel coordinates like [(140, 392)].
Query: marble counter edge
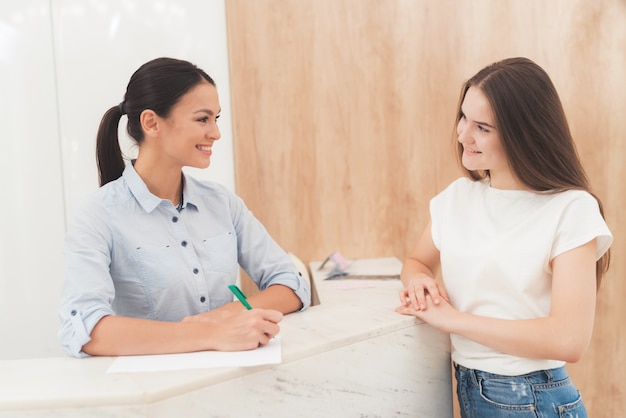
[(365, 313), (143, 388)]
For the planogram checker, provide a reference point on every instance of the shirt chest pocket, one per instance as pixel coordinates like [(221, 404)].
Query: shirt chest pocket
[(159, 265), (222, 251)]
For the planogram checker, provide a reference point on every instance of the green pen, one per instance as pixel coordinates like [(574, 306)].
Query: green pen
[(239, 295)]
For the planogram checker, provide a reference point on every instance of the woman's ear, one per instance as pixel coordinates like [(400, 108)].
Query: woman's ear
[(149, 121)]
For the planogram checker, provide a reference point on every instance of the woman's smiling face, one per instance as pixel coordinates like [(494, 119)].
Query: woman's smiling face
[(191, 128), (482, 146)]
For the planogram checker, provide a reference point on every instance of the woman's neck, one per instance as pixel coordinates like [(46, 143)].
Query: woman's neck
[(162, 182), (505, 180)]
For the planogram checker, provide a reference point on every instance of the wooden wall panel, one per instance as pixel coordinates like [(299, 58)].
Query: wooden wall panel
[(343, 113)]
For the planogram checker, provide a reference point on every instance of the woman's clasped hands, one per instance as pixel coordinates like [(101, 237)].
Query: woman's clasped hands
[(425, 299)]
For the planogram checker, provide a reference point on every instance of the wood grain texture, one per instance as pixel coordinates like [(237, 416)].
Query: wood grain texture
[(343, 117)]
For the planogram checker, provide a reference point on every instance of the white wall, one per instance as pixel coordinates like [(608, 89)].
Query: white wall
[(63, 63)]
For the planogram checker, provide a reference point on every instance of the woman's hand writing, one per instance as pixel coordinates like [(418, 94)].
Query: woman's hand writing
[(245, 330)]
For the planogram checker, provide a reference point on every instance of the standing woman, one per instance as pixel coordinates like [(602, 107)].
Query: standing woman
[(150, 255), (521, 245)]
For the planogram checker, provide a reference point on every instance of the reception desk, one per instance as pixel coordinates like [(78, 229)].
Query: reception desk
[(349, 356)]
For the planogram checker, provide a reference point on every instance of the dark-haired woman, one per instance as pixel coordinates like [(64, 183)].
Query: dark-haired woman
[(521, 245), (150, 255)]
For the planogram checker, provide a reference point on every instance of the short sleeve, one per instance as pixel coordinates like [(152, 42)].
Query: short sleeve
[(581, 222)]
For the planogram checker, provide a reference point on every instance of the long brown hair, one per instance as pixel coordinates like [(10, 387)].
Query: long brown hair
[(157, 85), (533, 129)]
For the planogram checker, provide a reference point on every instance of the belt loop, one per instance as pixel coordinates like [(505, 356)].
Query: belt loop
[(474, 376), (549, 375), (463, 369)]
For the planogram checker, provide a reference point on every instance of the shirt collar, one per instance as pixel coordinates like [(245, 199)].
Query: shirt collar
[(188, 193), (145, 198)]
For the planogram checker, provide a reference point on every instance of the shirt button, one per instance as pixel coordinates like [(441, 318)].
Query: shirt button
[(196, 271), (175, 219), (184, 243), (202, 299), (73, 313)]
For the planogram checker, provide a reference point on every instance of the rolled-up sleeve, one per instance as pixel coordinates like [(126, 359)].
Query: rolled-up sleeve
[(88, 290), (295, 282)]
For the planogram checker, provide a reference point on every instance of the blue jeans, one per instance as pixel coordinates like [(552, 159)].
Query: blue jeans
[(545, 393)]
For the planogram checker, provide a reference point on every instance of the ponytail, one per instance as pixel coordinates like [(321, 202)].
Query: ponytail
[(108, 152)]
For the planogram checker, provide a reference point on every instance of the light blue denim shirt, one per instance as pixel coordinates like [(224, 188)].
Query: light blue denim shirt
[(131, 253)]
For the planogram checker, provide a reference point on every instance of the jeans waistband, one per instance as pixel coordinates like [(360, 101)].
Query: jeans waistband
[(539, 376)]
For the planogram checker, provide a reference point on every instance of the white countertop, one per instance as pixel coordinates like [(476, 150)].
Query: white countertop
[(347, 314)]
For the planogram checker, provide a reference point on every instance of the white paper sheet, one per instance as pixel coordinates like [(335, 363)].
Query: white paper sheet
[(269, 354)]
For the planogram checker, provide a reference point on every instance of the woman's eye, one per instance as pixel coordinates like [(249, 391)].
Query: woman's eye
[(203, 119), (482, 128)]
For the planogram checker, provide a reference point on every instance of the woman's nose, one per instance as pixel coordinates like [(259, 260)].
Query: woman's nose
[(214, 132), (461, 131)]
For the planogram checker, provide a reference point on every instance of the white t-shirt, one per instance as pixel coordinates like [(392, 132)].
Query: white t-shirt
[(496, 246)]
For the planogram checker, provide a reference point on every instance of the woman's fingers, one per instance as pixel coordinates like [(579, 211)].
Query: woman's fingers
[(247, 330), (418, 289)]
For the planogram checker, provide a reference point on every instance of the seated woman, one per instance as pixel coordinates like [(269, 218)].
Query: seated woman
[(150, 255)]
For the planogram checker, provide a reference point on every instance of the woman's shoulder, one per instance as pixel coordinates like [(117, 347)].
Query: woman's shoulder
[(208, 192), (109, 194), (576, 197), (464, 182), (465, 185), (95, 207), (460, 190), (206, 187), (576, 194)]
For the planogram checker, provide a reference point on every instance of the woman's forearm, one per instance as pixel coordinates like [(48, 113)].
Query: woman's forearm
[(541, 338), (278, 297), (245, 330), (116, 335)]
